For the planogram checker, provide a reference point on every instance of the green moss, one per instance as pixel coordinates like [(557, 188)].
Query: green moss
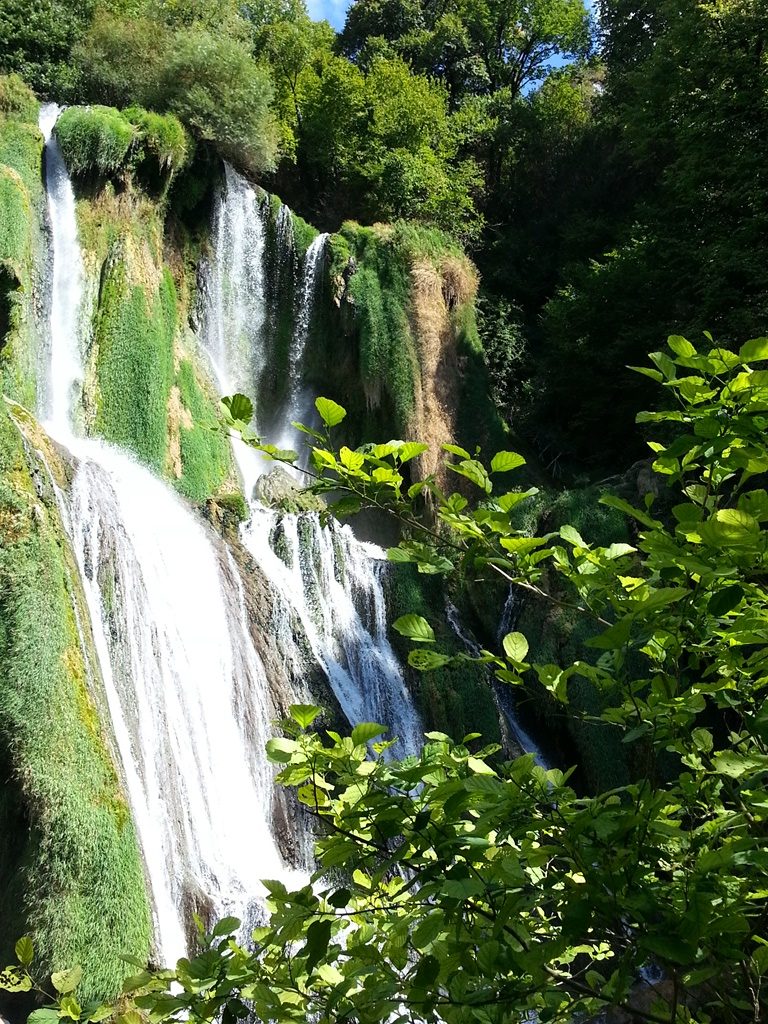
[(477, 419), (303, 234), (205, 451), (94, 140), (21, 200), (72, 871), (134, 365)]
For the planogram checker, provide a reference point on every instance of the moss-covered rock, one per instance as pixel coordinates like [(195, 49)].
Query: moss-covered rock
[(21, 207), (134, 334), (394, 339), (202, 462), (94, 139), (69, 859)]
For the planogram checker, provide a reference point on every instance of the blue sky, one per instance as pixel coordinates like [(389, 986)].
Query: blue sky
[(330, 10), (335, 10)]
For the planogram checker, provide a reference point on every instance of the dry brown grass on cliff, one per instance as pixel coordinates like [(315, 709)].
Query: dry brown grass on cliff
[(436, 343)]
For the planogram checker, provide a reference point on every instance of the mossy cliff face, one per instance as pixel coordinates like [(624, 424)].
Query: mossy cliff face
[(21, 213), (145, 389), (69, 859), (395, 340)]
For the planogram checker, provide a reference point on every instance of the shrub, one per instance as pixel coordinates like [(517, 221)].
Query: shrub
[(94, 139), (215, 87), (162, 136), (17, 99)]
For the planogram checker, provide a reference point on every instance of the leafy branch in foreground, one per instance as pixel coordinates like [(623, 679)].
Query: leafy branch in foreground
[(452, 887)]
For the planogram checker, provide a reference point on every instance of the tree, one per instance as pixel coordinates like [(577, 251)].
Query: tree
[(452, 887), (475, 47)]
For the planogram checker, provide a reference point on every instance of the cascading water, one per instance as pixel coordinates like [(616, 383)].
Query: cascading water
[(299, 405), (505, 702), (67, 280), (326, 580), (187, 693)]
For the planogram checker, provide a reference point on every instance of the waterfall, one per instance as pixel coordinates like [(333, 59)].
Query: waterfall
[(326, 580), (67, 285), (299, 406), (187, 693), (504, 698), (332, 583)]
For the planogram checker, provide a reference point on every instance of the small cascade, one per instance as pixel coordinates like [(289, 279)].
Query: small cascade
[(67, 287), (236, 305), (299, 406), (504, 698), (325, 582), (332, 584), (187, 693)]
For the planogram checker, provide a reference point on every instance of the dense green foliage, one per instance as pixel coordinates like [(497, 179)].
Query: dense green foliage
[(205, 456), (451, 887), (198, 71), (72, 872)]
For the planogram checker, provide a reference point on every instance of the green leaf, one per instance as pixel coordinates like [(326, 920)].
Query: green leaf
[(729, 527), (623, 506), (669, 947), (455, 450), (754, 350), (572, 535), (281, 750), (100, 1013), (521, 545), (614, 637), (226, 926), (648, 372), (411, 449), (25, 951), (366, 731), (67, 981), (70, 1007), (349, 505), (331, 412), (681, 346), (304, 714), (725, 600), (618, 550), (46, 1015), (515, 646), (340, 898), (474, 471), (507, 502), (316, 946), (415, 627), (13, 980), (504, 462), (352, 460), (428, 661), (238, 408)]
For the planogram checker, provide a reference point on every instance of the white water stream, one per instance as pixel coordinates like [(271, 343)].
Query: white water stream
[(188, 696), (327, 580)]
